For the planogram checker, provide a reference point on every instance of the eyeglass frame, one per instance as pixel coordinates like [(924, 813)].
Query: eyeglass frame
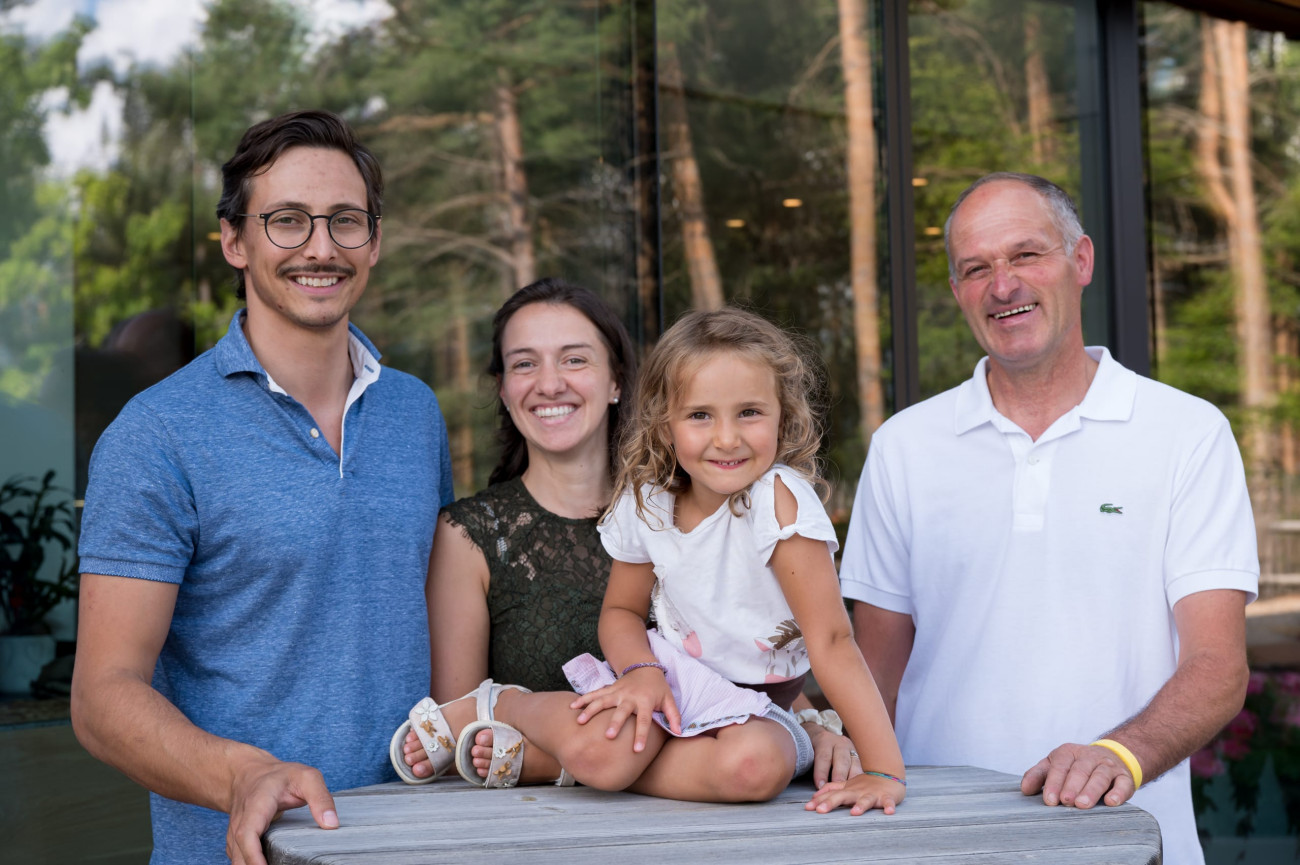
[(328, 217)]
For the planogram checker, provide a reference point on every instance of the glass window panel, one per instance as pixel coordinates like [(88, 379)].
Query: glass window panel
[(503, 129), (768, 177), (996, 85), (1222, 122)]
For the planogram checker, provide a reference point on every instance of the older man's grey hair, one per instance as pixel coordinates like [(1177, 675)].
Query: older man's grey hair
[(1065, 216)]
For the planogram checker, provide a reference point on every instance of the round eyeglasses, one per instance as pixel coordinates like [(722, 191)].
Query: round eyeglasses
[(290, 228)]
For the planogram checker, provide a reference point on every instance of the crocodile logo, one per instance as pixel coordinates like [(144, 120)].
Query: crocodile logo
[(1108, 508)]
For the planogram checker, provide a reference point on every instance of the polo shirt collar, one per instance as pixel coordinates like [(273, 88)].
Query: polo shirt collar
[(1109, 398), (234, 355)]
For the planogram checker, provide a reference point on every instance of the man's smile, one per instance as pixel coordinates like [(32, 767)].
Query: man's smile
[(1010, 312)]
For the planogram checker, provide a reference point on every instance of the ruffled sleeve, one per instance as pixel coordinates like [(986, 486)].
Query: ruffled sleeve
[(621, 532), (811, 522)]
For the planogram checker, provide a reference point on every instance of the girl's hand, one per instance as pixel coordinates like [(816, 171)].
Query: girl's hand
[(862, 792), (641, 692)]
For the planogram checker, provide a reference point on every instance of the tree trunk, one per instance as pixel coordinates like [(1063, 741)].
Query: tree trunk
[(856, 58), (461, 424), (1038, 91), (1225, 132), (519, 236), (1254, 319), (688, 191)]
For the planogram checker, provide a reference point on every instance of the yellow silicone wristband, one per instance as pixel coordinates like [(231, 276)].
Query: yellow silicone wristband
[(1126, 757)]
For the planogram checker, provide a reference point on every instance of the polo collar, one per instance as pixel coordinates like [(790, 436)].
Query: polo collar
[(234, 355), (1110, 397)]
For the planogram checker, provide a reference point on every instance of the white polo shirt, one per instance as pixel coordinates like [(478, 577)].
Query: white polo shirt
[(1041, 576)]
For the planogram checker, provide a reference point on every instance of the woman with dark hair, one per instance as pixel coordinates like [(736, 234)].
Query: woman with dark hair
[(518, 572)]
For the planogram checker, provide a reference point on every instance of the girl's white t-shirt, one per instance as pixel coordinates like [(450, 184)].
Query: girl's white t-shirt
[(715, 595)]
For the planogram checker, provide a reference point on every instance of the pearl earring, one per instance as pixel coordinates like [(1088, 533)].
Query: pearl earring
[(614, 401)]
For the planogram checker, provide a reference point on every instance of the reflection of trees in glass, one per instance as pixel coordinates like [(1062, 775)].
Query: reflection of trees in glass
[(780, 154), (992, 87), (855, 56), (501, 127), (1223, 160), (35, 246), (1223, 110)]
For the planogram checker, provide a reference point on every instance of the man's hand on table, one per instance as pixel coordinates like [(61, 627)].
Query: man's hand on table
[(260, 792), (1079, 775)]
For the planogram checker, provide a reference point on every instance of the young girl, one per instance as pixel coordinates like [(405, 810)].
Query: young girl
[(717, 529)]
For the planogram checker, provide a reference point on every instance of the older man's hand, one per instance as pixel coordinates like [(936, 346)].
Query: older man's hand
[(1079, 775)]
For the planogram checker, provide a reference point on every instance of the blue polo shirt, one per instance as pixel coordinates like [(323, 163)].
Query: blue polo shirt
[(300, 623)]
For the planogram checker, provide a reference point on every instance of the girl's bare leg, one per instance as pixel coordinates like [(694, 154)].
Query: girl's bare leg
[(590, 756), (750, 762)]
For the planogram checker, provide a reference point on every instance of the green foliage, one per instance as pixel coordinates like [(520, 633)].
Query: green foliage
[(36, 296), (33, 519)]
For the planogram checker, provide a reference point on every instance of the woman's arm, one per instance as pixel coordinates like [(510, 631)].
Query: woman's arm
[(833, 754), (456, 591)]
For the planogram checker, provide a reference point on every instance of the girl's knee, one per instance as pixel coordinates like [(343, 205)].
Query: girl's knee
[(756, 772), (602, 763), (600, 769)]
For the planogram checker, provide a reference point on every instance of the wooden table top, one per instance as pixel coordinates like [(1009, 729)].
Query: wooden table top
[(952, 814)]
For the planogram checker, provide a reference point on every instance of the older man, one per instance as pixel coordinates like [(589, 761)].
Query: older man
[(258, 525), (1057, 550)]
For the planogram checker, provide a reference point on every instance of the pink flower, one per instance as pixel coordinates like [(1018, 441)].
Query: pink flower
[(1234, 749), (1206, 764), (1256, 683), (1289, 682), (1244, 725)]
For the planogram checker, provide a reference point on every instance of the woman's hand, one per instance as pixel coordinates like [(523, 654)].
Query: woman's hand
[(833, 756), (641, 692), (863, 792)]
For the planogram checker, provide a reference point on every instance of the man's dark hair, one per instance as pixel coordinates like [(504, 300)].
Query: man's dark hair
[(264, 143), (622, 358)]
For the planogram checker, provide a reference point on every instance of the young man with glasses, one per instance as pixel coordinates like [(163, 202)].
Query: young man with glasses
[(257, 526)]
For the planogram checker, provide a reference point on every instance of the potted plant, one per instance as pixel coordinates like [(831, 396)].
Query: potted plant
[(35, 520)]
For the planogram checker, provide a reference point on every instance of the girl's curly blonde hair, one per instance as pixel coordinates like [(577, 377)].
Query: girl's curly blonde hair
[(646, 455)]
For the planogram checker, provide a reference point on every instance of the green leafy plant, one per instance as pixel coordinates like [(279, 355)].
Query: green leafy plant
[(34, 518)]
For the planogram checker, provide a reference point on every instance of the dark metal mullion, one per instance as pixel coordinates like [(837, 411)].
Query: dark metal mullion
[(649, 303), (901, 212), (1131, 302)]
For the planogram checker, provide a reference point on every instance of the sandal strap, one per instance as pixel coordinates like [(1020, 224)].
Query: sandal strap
[(435, 735), (485, 698), (507, 755)]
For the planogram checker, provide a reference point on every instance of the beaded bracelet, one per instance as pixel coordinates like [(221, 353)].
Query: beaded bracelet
[(883, 775), (630, 667)]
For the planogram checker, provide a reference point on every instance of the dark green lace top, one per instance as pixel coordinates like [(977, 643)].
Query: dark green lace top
[(546, 582)]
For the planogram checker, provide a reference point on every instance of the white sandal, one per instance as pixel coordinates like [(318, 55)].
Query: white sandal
[(435, 735), (507, 744)]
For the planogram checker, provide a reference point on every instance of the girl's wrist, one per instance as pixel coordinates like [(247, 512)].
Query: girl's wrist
[(630, 667)]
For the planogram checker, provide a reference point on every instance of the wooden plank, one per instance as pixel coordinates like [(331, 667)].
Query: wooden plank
[(975, 814)]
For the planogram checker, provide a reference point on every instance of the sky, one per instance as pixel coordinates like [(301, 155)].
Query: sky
[(143, 32)]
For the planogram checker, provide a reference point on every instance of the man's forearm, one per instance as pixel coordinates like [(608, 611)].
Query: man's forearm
[(123, 721), (1203, 695)]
